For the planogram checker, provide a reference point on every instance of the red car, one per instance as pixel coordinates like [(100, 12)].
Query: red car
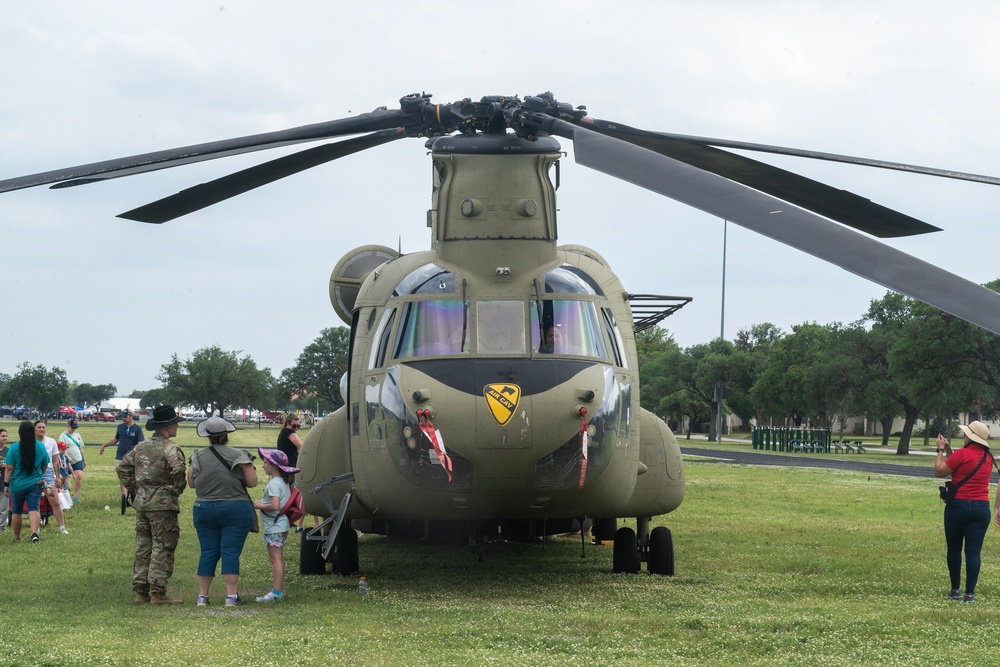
[(103, 417)]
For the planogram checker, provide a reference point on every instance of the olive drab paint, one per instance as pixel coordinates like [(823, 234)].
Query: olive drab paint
[(497, 349)]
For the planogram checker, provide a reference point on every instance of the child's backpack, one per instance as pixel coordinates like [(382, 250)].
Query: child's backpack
[(295, 508)]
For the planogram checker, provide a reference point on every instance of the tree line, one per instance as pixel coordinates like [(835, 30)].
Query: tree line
[(210, 379), (901, 359)]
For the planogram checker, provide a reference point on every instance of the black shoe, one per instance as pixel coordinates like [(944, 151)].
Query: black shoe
[(34, 538), (123, 505), (954, 594), (969, 597)]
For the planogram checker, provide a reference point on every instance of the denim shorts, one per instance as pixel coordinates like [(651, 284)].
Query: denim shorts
[(32, 495)]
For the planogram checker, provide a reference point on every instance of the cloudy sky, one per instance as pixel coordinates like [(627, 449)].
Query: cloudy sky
[(110, 300)]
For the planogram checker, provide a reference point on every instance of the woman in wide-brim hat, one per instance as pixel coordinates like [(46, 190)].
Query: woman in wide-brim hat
[(222, 513), (967, 516)]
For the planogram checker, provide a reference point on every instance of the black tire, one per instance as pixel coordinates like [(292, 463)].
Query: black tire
[(661, 552), (605, 529), (626, 554), (345, 560), (311, 556)]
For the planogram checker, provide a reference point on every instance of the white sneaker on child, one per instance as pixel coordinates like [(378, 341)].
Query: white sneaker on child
[(270, 597), (62, 529)]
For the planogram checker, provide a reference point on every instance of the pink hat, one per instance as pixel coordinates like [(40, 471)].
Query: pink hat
[(276, 457)]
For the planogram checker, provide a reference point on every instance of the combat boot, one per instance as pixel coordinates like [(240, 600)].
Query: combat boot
[(141, 598), (161, 598)]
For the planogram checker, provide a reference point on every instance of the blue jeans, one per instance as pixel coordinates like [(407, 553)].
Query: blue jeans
[(32, 494), (965, 520), (222, 526)]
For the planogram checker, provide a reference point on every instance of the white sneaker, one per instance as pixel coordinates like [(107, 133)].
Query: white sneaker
[(270, 597), (62, 529)]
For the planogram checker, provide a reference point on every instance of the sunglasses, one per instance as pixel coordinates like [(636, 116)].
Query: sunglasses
[(296, 425)]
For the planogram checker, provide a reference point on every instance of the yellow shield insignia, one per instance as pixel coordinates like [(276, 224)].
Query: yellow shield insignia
[(502, 400)]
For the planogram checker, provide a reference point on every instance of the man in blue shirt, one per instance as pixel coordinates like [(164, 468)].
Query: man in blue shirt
[(128, 435)]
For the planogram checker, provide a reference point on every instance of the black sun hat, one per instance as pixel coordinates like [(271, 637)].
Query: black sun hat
[(163, 416)]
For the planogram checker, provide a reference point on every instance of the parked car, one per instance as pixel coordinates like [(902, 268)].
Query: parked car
[(103, 417)]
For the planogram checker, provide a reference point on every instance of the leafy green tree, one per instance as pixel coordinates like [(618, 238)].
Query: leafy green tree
[(37, 387), (215, 379), (807, 373), (924, 360), (153, 398), (315, 377), (750, 350), (657, 357), (701, 369), (92, 394)]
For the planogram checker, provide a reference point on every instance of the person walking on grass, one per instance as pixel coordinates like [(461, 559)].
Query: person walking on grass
[(4, 500), (25, 462), (153, 472), (967, 515), (74, 449), (127, 436), (276, 526), (51, 477), (220, 475)]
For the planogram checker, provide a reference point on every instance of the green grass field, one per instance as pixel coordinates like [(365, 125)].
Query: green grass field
[(775, 566)]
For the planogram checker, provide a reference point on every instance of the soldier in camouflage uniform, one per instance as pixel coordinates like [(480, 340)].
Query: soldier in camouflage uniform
[(154, 472)]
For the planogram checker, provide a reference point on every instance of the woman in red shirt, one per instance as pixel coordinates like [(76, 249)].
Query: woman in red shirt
[(967, 516)]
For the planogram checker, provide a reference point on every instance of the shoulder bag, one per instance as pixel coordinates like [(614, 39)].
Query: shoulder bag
[(948, 491)]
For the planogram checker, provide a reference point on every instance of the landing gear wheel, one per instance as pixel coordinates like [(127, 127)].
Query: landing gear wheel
[(661, 552), (346, 554), (604, 530), (311, 556), (626, 553)]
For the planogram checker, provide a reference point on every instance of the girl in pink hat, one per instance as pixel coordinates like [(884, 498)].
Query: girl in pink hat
[(275, 525)]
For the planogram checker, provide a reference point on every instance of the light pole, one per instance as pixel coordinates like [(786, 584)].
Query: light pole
[(722, 334)]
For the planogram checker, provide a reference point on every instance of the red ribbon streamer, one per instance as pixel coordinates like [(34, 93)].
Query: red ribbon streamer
[(424, 419)]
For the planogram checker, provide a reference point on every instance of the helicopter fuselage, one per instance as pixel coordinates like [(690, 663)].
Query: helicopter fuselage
[(493, 376)]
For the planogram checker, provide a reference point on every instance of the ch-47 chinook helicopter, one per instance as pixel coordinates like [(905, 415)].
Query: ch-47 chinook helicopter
[(493, 382)]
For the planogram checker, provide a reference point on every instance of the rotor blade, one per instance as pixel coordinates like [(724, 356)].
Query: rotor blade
[(792, 226), (840, 205), (175, 157), (835, 157), (204, 195)]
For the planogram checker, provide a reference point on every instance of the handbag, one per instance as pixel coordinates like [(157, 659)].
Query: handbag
[(948, 491), (65, 500), (255, 525)]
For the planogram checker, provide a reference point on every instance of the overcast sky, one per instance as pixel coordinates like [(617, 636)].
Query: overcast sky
[(110, 300)]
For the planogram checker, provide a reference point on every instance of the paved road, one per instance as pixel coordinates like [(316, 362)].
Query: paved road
[(758, 458)]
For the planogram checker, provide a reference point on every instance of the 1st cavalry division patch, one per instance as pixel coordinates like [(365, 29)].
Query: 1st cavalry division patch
[(502, 400)]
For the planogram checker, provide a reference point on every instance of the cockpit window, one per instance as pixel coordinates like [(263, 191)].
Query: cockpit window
[(567, 327), (377, 357), (428, 279), (617, 344), (431, 328), (569, 279), (500, 327)]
